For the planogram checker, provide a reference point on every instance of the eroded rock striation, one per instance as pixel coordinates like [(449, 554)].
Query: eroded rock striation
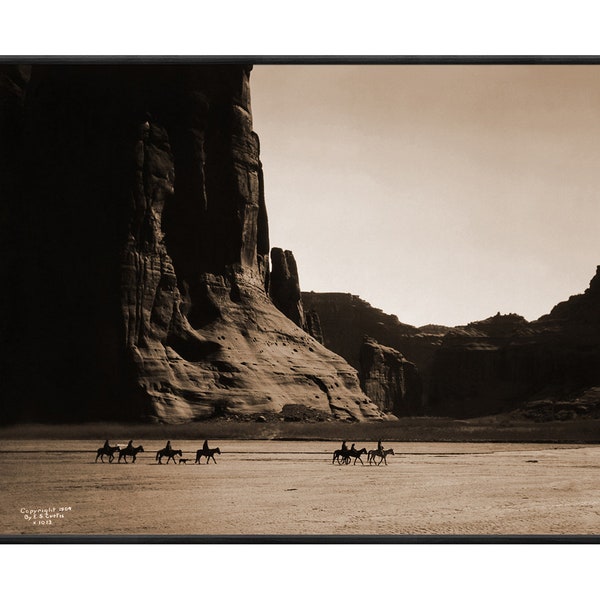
[(145, 254), (313, 325), (389, 380)]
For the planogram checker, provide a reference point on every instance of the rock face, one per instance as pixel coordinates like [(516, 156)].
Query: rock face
[(284, 286), (313, 325), (505, 363), (470, 359), (345, 319), (542, 369), (144, 254), (284, 290), (389, 379)]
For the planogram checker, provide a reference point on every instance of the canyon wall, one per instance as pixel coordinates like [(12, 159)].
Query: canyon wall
[(140, 283), (389, 379), (539, 369), (505, 363), (392, 358), (143, 253)]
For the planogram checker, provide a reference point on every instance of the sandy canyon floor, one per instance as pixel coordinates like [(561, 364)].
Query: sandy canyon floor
[(292, 488)]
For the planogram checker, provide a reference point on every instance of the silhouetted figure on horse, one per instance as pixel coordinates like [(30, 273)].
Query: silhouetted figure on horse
[(129, 450), (106, 450), (208, 452), (356, 454), (343, 456), (169, 453), (381, 453)]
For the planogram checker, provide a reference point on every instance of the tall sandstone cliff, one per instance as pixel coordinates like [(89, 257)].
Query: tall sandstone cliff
[(136, 202)]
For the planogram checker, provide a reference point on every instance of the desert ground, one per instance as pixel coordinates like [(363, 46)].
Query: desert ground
[(266, 487)]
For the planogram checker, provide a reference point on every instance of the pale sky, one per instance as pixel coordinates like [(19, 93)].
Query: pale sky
[(440, 194)]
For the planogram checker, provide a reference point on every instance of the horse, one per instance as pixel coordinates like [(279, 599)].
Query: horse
[(169, 453), (356, 455), (342, 457), (106, 451), (381, 453), (209, 453), (129, 451)]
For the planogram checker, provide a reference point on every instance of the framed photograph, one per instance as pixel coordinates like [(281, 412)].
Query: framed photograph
[(262, 299)]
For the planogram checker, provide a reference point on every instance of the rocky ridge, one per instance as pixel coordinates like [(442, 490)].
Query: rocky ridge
[(540, 369), (504, 362)]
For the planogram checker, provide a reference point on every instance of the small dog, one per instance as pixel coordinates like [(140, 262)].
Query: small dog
[(183, 461)]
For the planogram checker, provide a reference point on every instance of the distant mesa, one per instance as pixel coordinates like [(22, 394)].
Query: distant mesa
[(548, 368)]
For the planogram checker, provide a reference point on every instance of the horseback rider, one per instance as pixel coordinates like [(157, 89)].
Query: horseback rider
[(205, 446), (380, 447), (352, 448), (344, 446), (168, 446), (129, 444), (106, 445)]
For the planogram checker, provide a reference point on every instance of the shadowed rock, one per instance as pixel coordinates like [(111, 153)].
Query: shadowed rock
[(389, 379), (504, 363), (545, 369), (284, 286), (144, 262), (284, 290), (313, 325)]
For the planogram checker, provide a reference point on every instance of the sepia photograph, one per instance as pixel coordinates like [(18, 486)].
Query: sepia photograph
[(333, 300)]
